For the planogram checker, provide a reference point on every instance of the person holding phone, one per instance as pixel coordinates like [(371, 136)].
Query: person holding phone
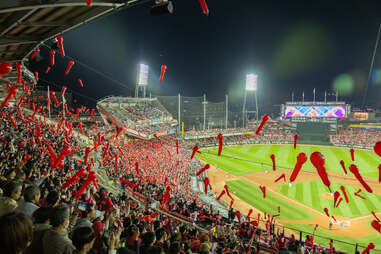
[(88, 213)]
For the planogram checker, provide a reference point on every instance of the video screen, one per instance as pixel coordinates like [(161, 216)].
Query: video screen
[(361, 115), (315, 111)]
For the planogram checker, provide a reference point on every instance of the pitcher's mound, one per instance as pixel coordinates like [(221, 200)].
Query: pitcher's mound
[(327, 195)]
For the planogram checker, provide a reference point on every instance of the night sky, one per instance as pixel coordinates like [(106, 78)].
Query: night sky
[(292, 46)]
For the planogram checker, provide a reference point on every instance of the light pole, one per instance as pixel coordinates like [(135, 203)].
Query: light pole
[(251, 87)]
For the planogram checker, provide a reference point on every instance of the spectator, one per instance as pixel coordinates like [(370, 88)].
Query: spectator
[(11, 194), (20, 176), (148, 240), (31, 198), (160, 237), (100, 244), (10, 175), (174, 248), (53, 199), (16, 233), (301, 249), (87, 217), (56, 239), (204, 248), (98, 215), (154, 250), (132, 238), (41, 219), (83, 239)]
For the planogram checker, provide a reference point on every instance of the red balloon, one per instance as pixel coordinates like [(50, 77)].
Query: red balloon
[(5, 68), (353, 168), (376, 225), (352, 154), (377, 148), (336, 196), (343, 166), (273, 159), (301, 159), (295, 140), (317, 159)]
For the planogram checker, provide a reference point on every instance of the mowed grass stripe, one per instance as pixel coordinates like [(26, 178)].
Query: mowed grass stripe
[(260, 155), (371, 161), (282, 157), (292, 154), (371, 158), (339, 155), (269, 204), (364, 205), (235, 167), (311, 197), (364, 163), (254, 148), (332, 159), (253, 196), (284, 189), (352, 202), (274, 150), (378, 198), (370, 201), (255, 155), (299, 192), (315, 201)]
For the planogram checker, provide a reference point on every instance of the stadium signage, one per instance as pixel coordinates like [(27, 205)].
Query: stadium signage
[(212, 135)]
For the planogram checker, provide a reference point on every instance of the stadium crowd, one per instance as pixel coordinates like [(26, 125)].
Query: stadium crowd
[(358, 137), (145, 118), (274, 132), (51, 204)]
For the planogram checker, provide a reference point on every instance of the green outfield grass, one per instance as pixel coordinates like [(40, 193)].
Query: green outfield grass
[(253, 158), (253, 195), (241, 160), (309, 193)]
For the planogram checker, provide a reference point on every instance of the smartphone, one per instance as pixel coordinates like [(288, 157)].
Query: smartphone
[(63, 196), (82, 206)]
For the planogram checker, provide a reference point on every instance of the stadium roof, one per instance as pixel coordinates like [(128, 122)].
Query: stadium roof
[(25, 24)]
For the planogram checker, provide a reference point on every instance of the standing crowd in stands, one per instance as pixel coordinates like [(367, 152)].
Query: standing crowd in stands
[(358, 137), (155, 211)]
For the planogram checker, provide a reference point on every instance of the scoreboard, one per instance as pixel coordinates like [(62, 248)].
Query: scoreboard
[(315, 110)]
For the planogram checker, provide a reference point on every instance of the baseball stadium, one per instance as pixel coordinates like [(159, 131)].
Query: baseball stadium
[(181, 127)]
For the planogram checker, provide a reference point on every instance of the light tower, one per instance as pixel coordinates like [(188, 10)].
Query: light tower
[(250, 89), (142, 80)]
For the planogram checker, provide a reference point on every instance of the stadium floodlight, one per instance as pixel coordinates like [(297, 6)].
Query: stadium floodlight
[(251, 86), (143, 75), (251, 82)]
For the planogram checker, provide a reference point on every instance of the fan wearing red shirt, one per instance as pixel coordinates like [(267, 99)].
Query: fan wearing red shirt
[(309, 241), (105, 203)]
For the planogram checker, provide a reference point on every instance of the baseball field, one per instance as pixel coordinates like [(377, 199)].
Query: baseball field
[(244, 168)]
